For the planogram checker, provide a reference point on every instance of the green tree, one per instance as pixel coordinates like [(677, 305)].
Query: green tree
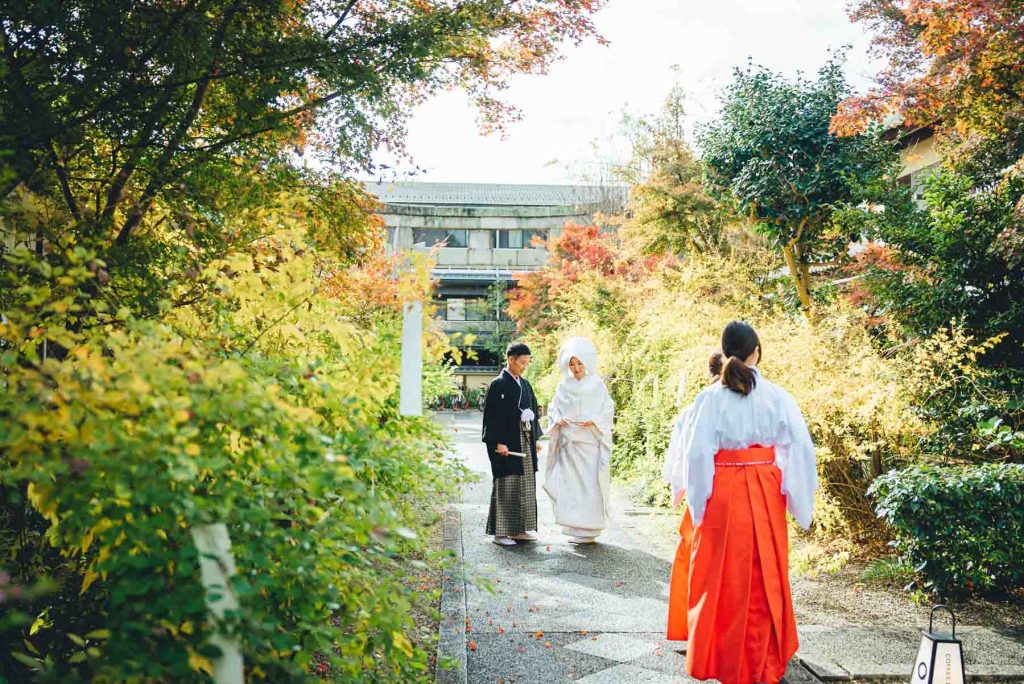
[(147, 126), (961, 260), (771, 155), (495, 307)]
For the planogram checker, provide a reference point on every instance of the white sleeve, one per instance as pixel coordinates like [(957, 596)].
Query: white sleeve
[(674, 453), (796, 457), (690, 462), (553, 414), (604, 422)]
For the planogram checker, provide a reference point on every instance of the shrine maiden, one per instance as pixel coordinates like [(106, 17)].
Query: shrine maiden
[(581, 414), (742, 455)]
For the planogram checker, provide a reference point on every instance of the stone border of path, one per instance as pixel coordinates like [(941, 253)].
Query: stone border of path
[(451, 645)]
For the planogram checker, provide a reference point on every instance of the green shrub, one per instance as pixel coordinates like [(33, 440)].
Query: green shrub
[(287, 433), (961, 528)]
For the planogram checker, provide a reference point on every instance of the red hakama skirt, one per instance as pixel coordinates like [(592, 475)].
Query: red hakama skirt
[(729, 597)]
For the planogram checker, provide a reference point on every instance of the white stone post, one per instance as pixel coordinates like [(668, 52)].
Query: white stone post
[(216, 568), (410, 394)]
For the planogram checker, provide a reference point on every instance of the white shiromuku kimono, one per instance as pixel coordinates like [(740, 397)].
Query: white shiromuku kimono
[(577, 473), (722, 419)]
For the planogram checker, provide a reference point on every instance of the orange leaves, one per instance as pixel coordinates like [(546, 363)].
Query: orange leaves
[(578, 253), (955, 62)]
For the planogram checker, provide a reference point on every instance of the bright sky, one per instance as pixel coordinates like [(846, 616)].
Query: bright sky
[(571, 116)]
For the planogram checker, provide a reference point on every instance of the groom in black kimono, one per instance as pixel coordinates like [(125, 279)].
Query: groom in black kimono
[(511, 431)]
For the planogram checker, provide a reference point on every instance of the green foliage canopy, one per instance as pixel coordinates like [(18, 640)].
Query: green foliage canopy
[(147, 126), (770, 154), (959, 259)]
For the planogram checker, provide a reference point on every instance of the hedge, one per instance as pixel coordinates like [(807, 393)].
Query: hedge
[(961, 528)]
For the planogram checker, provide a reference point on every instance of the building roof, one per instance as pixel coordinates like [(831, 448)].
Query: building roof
[(495, 194), (894, 127)]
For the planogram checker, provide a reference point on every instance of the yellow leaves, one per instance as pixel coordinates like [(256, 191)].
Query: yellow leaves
[(192, 449), (103, 525), (87, 581), (200, 663), (414, 279), (401, 643), (39, 495), (60, 306)]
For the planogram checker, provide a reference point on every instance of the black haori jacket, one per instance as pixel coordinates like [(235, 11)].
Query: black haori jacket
[(502, 411)]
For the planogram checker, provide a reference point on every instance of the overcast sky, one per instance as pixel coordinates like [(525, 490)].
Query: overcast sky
[(571, 115)]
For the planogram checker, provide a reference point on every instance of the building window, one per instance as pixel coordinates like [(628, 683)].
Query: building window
[(919, 178), (430, 237), (456, 310), (516, 239)]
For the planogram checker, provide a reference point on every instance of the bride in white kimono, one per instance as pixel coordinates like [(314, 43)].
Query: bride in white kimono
[(577, 473)]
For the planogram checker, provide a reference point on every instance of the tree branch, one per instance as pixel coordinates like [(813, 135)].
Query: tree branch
[(65, 184), (341, 19), (157, 181)]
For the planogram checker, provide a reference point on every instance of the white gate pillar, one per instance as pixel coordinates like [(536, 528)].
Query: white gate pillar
[(410, 396)]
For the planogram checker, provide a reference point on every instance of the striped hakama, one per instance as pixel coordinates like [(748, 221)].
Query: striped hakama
[(514, 497)]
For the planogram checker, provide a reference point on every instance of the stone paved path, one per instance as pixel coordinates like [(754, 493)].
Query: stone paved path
[(551, 612)]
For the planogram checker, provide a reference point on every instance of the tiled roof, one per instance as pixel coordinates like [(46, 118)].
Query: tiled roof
[(493, 194)]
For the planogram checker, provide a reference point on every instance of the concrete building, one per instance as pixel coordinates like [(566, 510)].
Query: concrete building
[(484, 234), (919, 157)]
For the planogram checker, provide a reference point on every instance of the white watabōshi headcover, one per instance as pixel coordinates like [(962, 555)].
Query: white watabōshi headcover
[(584, 350)]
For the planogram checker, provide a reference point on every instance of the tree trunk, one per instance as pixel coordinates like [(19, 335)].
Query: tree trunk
[(798, 276), (805, 271)]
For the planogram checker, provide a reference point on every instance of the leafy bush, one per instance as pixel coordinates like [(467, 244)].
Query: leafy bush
[(960, 259), (961, 528), (267, 409)]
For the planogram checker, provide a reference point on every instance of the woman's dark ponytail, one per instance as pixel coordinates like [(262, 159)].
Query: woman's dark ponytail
[(739, 342), (738, 376)]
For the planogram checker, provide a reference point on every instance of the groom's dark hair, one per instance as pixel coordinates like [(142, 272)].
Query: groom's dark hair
[(517, 349)]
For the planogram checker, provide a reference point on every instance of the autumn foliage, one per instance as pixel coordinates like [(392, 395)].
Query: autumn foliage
[(578, 253), (961, 63)]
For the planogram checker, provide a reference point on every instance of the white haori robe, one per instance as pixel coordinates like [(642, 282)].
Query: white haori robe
[(722, 419), (576, 476)]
